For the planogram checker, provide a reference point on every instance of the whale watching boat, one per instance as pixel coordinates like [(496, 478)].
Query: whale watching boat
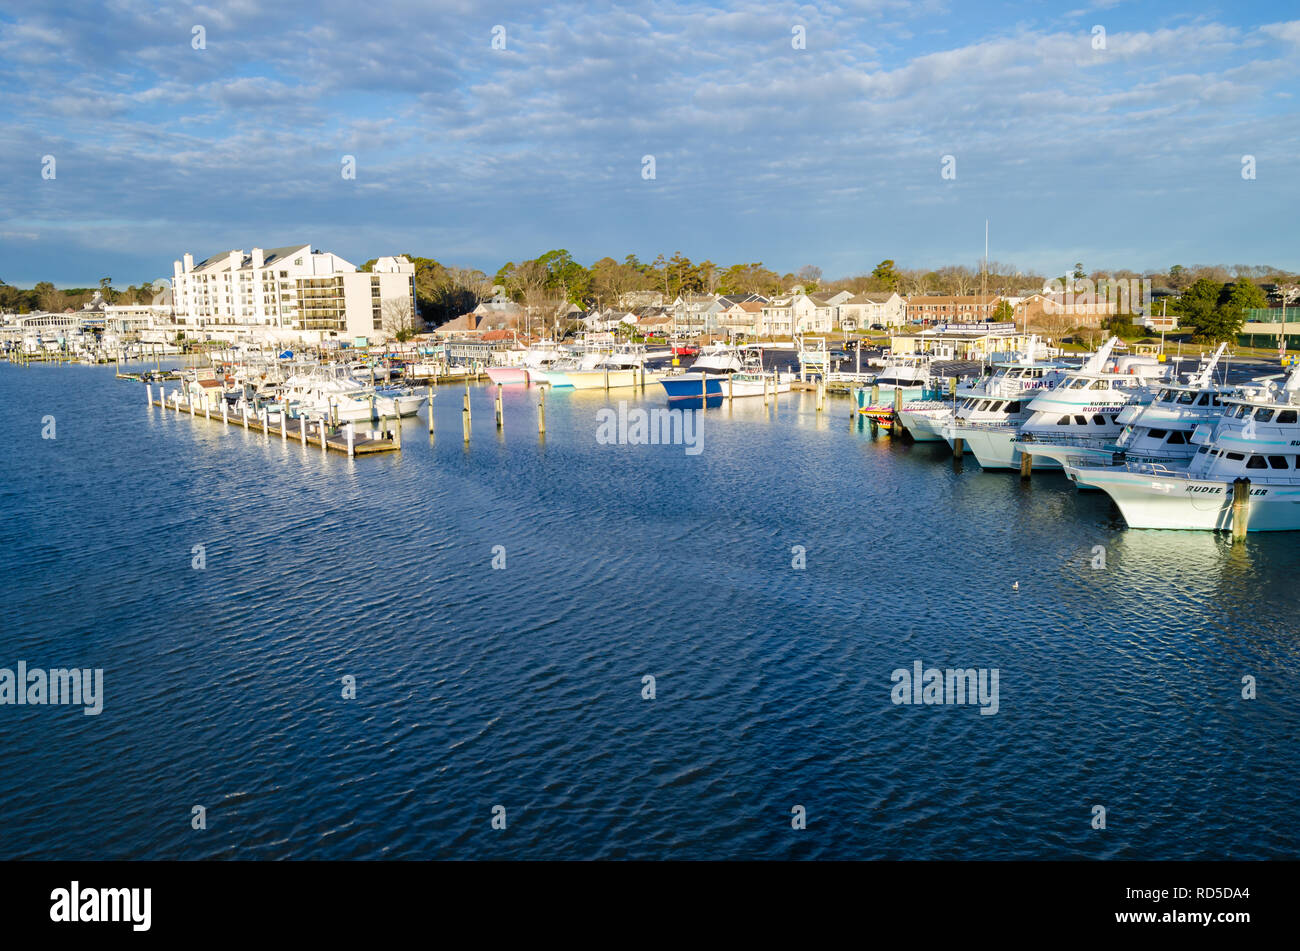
[(1246, 461)]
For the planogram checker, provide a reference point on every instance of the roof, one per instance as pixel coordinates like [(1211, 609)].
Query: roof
[(246, 260)]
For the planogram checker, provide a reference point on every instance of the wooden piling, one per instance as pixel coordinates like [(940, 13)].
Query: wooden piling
[(501, 415), (323, 446), (1240, 508), (468, 412), (541, 411), (464, 421), (1026, 464), (430, 409), (352, 441), (397, 429), (958, 447)]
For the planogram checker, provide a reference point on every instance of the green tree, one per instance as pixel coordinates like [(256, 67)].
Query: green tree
[(1234, 300), (1003, 312), (1198, 306), (886, 274)]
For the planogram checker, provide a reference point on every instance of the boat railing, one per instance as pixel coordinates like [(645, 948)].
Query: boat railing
[(987, 425), (1059, 439)]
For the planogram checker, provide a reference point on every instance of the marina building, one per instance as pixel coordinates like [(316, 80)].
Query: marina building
[(293, 293), (963, 341)]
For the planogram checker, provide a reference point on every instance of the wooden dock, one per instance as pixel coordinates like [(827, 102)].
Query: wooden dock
[(383, 436)]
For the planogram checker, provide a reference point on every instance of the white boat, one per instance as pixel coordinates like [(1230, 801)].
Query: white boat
[(1080, 415), (1161, 431), (989, 415), (908, 375), (333, 392), (1252, 444), (753, 380)]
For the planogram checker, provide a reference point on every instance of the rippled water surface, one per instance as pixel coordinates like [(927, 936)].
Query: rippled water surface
[(522, 687)]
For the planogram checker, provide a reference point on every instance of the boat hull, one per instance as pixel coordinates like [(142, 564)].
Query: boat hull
[(1155, 501), (995, 449), (925, 425), (508, 374), (687, 387)]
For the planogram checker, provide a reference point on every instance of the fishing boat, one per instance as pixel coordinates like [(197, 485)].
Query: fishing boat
[(989, 416), (1161, 431), (1245, 465), (706, 375), (753, 380), (1080, 415)]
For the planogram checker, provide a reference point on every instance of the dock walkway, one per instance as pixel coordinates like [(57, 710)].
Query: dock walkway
[(308, 432)]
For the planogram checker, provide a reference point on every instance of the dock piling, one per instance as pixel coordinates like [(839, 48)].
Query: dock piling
[(1240, 508), (148, 388), (500, 414), (430, 409), (541, 411), (464, 420), (1026, 465), (352, 441)]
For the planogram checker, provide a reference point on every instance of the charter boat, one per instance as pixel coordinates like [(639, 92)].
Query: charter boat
[(1256, 439), (1080, 415), (990, 414), (1161, 431)]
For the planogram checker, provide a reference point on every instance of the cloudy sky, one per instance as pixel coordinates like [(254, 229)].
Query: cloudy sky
[(1111, 134)]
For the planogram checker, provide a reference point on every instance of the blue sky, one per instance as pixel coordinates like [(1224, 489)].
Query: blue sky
[(1128, 156)]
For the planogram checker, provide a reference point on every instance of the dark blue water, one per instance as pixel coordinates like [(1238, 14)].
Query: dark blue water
[(522, 687)]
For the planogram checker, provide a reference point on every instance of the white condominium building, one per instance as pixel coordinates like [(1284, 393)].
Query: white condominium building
[(294, 292)]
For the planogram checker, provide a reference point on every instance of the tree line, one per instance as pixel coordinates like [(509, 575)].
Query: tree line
[(1210, 299)]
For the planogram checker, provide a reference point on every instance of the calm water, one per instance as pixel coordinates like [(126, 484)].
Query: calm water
[(522, 687)]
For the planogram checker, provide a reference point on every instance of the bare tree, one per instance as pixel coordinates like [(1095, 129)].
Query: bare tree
[(398, 319)]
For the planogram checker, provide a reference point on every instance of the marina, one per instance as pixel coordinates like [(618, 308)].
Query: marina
[(1096, 420)]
